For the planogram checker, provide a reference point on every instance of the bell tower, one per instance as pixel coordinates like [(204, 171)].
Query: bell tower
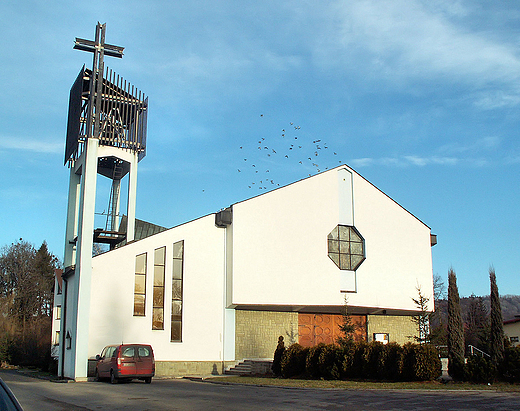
[(106, 135)]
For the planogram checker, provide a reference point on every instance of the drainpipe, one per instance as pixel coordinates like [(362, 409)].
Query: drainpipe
[(63, 327)]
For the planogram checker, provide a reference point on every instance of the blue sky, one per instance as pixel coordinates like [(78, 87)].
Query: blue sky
[(421, 98)]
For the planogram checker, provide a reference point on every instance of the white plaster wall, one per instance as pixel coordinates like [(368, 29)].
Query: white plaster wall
[(112, 319), (398, 251), (280, 247)]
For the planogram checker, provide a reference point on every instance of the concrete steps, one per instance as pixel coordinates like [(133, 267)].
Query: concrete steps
[(250, 367)]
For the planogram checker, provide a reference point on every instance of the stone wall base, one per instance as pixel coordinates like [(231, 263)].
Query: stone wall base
[(190, 368), (400, 329)]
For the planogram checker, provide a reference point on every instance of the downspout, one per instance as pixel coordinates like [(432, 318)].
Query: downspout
[(63, 326), (223, 219)]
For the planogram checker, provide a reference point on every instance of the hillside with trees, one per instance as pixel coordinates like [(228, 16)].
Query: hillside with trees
[(26, 301), (510, 305)]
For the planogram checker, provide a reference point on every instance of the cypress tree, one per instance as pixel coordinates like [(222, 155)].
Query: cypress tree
[(496, 338), (455, 330)]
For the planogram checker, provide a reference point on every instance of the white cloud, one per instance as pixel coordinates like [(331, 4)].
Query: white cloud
[(497, 99), (404, 40), (405, 161), (423, 161), (484, 144), (37, 146), (361, 162)]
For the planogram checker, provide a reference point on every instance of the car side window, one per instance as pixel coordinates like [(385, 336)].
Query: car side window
[(111, 352), (103, 353), (129, 352), (144, 352)]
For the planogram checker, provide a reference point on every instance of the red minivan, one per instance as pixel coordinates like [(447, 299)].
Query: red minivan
[(126, 361)]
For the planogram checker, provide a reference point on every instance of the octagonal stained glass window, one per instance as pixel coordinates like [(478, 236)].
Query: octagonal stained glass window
[(346, 247)]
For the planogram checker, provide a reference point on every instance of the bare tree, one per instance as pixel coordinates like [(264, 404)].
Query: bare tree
[(476, 323), (26, 293), (439, 288)]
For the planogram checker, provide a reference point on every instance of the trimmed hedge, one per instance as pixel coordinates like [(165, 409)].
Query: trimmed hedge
[(293, 361), (312, 367), (510, 368), (330, 362), (479, 369), (390, 362), (361, 360)]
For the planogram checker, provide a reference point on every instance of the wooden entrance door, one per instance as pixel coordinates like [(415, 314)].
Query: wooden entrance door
[(324, 328)]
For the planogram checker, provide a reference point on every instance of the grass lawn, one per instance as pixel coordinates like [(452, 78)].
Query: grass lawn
[(367, 385)]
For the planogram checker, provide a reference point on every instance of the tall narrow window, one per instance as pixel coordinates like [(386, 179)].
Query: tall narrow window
[(178, 257), (140, 285), (158, 289)]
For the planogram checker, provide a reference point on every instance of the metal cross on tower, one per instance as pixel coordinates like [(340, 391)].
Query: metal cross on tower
[(99, 48)]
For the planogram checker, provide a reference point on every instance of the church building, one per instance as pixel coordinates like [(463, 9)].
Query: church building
[(222, 288)]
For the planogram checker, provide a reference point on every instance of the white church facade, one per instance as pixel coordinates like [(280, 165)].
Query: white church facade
[(222, 288)]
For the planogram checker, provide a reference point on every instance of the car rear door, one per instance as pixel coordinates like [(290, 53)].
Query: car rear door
[(144, 360), (127, 361)]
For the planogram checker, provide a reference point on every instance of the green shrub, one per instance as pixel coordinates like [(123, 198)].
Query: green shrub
[(480, 369), (276, 367), (374, 357), (421, 362), (394, 362), (311, 362), (457, 368), (353, 359), (510, 368), (429, 365), (330, 362), (293, 361)]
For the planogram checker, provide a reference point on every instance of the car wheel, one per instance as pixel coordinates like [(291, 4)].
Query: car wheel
[(96, 376), (148, 380), (113, 379)]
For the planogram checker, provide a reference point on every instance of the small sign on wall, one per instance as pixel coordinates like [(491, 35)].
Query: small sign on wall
[(382, 337)]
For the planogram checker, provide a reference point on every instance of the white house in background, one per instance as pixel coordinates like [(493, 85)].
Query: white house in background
[(512, 330), (222, 288)]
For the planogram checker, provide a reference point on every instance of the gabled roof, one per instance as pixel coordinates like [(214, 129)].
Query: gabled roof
[(329, 171)]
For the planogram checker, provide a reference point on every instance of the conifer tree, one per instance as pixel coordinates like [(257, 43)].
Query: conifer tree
[(347, 327), (455, 330), (422, 318), (496, 338)]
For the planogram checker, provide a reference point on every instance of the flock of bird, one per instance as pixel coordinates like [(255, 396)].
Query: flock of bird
[(287, 149)]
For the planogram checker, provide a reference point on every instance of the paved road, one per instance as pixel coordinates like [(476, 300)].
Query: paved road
[(42, 395)]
